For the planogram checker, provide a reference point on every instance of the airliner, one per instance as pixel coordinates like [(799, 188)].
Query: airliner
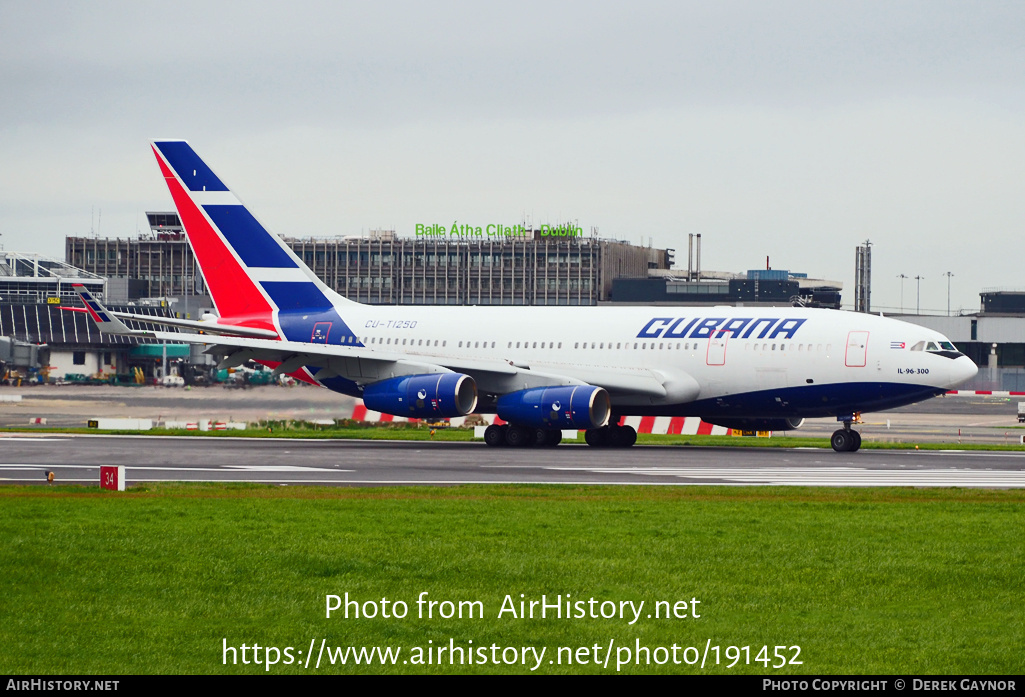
[(540, 369)]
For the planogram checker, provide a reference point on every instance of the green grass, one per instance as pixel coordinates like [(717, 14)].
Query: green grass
[(153, 580)]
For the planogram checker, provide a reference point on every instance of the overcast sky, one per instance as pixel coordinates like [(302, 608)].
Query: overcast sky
[(793, 130)]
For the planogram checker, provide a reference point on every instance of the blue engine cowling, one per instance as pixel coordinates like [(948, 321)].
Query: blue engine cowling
[(574, 406), (423, 396)]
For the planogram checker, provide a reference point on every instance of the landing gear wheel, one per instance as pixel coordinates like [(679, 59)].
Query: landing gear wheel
[(630, 436), (845, 441), (548, 437), (494, 435), (519, 437), (841, 441), (622, 436), (597, 437)]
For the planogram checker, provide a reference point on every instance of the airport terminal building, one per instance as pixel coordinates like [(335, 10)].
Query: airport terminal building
[(994, 338), (157, 273), (382, 268)]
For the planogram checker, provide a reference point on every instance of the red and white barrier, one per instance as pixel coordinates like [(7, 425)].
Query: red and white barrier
[(993, 393), (206, 425), (673, 425)]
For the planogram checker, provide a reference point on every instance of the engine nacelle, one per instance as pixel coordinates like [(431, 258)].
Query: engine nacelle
[(573, 406), (423, 396), (776, 424)]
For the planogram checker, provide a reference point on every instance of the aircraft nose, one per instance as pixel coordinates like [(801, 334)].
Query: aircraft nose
[(963, 370)]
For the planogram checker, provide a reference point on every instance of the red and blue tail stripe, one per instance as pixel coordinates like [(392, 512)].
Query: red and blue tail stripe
[(94, 309), (254, 277)]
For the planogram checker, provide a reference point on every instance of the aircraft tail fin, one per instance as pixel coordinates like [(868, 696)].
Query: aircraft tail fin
[(105, 321), (251, 273)]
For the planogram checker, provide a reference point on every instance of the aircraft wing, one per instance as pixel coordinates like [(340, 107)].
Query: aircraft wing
[(203, 327), (364, 365)]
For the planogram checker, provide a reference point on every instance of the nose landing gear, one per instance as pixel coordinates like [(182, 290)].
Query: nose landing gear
[(846, 440)]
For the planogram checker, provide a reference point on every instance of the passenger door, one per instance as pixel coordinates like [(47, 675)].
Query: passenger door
[(857, 350)]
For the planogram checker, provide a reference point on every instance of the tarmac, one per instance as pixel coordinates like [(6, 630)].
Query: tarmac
[(961, 418)]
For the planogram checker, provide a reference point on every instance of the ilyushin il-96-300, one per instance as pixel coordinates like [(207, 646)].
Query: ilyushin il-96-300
[(541, 369)]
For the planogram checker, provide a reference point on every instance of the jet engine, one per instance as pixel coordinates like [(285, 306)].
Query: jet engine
[(423, 396), (567, 407)]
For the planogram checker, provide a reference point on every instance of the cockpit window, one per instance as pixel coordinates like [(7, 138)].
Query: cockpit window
[(943, 348)]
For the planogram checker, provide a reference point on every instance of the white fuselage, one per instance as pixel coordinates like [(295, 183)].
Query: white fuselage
[(777, 349)]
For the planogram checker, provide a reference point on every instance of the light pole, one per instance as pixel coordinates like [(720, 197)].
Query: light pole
[(918, 298), (949, 275), (902, 277)]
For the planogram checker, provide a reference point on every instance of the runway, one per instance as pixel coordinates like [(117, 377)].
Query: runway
[(961, 419), (76, 459)]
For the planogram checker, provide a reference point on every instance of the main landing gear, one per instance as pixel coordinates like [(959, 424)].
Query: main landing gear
[(521, 436), (846, 440), (611, 437), (515, 436)]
